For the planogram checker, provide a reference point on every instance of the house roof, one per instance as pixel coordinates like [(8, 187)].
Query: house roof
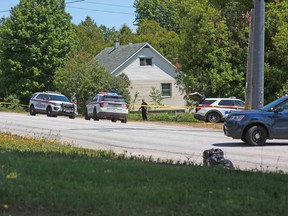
[(112, 58)]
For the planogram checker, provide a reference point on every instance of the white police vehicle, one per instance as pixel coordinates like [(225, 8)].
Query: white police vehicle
[(52, 104), (107, 105), (215, 110)]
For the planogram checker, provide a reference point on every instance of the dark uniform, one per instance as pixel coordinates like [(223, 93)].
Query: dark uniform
[(144, 107)]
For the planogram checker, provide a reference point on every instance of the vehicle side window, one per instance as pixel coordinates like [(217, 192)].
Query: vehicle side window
[(208, 101), (284, 106), (239, 103), (95, 98), (226, 103), (40, 96), (45, 97)]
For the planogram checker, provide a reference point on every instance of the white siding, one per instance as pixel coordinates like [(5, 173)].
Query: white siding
[(144, 88), (143, 78)]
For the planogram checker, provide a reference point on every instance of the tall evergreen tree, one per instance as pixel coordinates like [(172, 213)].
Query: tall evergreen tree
[(35, 41)]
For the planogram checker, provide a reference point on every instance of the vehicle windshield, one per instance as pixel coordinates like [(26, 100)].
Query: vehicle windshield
[(58, 98), (113, 98), (270, 106)]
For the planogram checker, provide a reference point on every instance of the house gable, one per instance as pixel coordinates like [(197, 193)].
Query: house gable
[(116, 59)]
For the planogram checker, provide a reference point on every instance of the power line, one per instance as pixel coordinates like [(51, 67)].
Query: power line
[(115, 12), (74, 1), (89, 2)]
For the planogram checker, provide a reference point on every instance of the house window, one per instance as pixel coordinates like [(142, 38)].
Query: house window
[(166, 89), (145, 61)]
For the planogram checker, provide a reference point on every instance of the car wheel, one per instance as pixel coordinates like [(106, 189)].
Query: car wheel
[(49, 111), (86, 115), (124, 121), (72, 117), (214, 117), (32, 110), (113, 120), (95, 117), (256, 135)]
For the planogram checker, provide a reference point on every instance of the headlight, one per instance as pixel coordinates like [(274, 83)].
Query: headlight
[(236, 117)]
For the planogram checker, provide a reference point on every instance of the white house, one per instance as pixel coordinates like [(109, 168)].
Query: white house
[(146, 68)]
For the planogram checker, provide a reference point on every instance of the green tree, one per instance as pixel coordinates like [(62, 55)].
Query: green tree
[(126, 35), (87, 79), (79, 75), (205, 54), (163, 12), (276, 49), (35, 41), (164, 41), (156, 96), (110, 34), (90, 38)]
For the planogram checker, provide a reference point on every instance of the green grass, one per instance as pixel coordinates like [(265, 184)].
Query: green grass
[(44, 177), (164, 116)]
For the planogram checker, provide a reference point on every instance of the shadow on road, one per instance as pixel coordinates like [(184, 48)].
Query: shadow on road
[(242, 144)]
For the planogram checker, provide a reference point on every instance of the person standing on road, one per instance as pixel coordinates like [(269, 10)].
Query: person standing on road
[(74, 101), (144, 107)]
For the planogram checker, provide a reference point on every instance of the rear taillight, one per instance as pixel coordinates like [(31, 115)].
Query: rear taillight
[(198, 108), (101, 103), (127, 105)]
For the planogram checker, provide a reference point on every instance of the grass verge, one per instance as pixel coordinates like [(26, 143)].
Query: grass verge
[(44, 177)]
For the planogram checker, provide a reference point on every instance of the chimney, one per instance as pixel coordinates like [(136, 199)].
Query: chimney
[(116, 43)]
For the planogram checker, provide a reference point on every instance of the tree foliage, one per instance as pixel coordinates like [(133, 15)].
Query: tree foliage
[(80, 76), (276, 50), (205, 54), (164, 41), (164, 12), (35, 41), (90, 38)]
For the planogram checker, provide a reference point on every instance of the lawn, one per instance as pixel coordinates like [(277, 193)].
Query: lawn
[(45, 177)]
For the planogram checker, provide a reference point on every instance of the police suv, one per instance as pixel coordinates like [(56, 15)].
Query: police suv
[(52, 104), (216, 109), (107, 105)]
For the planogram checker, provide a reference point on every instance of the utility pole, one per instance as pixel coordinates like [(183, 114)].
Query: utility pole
[(258, 54), (249, 84)]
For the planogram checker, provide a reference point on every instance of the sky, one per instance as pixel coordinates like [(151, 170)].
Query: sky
[(111, 13)]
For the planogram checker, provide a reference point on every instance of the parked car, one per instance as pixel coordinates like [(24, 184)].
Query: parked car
[(107, 105), (216, 109), (254, 127), (52, 104)]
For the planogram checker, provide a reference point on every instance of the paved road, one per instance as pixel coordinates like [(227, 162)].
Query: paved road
[(162, 141)]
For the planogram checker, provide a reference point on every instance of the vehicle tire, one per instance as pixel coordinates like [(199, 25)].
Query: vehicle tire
[(113, 120), (256, 135), (124, 121), (244, 139), (95, 117), (72, 117), (214, 117), (86, 115), (32, 110), (49, 111)]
